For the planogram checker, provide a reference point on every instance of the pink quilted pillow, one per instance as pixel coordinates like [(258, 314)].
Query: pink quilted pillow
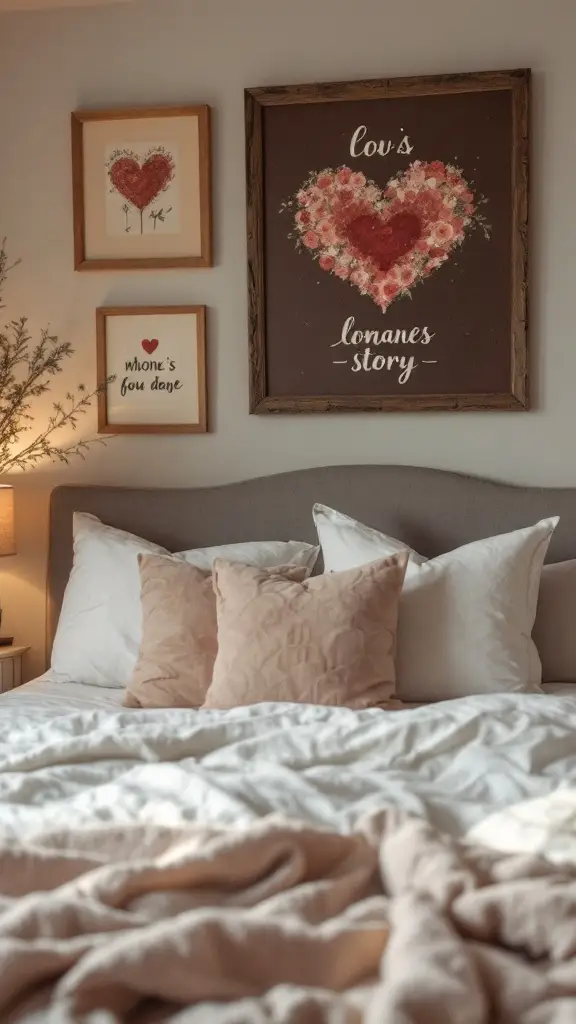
[(179, 633), (325, 640)]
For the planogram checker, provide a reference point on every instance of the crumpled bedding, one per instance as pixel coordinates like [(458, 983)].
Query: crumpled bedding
[(453, 763), (283, 923)]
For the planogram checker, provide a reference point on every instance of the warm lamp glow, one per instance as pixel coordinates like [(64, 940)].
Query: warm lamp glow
[(7, 538)]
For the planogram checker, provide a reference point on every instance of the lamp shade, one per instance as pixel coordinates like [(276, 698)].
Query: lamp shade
[(7, 538)]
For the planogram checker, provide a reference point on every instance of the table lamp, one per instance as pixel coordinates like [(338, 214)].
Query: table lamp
[(7, 538)]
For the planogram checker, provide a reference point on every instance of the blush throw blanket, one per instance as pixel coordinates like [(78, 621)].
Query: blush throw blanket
[(282, 923)]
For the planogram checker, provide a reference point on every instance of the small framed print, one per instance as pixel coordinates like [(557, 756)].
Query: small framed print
[(157, 358), (141, 188)]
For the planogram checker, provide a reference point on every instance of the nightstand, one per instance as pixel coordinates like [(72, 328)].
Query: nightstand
[(11, 667)]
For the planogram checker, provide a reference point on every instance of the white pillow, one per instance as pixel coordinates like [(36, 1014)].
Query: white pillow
[(100, 625), (466, 617)]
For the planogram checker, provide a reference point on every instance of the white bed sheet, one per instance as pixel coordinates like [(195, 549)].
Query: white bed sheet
[(70, 753), (560, 689), (46, 697)]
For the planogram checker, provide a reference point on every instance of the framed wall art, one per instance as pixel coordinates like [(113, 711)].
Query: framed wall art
[(141, 188), (157, 357), (387, 244)]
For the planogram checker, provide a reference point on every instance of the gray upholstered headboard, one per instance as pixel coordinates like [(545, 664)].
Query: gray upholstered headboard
[(431, 510)]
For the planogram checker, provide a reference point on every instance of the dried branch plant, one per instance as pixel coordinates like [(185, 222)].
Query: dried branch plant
[(26, 372)]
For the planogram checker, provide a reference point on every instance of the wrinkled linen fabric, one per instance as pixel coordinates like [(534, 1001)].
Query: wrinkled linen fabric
[(285, 924), (453, 763)]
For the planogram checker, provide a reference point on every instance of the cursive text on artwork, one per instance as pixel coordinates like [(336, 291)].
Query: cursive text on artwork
[(381, 148)]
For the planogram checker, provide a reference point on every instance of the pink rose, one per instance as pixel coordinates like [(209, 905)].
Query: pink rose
[(357, 180), (343, 176), (377, 289), (327, 262), (390, 289), (418, 177), (313, 196), (437, 170), (319, 208), (324, 181), (406, 276), (360, 278), (442, 232), (302, 217), (345, 196), (325, 229), (342, 272), (311, 240), (372, 193)]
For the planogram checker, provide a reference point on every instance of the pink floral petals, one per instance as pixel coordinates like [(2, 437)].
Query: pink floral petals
[(384, 241)]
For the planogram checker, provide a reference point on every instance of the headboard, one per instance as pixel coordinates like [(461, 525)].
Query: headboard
[(431, 510)]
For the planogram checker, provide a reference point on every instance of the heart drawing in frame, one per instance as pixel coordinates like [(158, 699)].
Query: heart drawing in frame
[(141, 180), (383, 241)]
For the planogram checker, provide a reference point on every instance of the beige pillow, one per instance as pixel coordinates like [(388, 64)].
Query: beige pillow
[(325, 640), (555, 627), (179, 633)]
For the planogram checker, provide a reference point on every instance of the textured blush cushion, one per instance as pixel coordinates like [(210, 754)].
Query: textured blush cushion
[(466, 617), (179, 633), (100, 625), (326, 640), (555, 627)]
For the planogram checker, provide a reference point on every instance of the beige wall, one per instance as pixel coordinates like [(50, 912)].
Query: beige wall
[(166, 51)]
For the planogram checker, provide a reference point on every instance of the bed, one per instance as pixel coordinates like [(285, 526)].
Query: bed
[(89, 784)]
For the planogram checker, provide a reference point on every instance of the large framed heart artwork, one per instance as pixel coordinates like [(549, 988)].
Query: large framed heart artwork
[(141, 188), (387, 244)]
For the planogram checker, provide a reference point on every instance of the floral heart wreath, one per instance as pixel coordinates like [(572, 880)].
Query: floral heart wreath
[(384, 241)]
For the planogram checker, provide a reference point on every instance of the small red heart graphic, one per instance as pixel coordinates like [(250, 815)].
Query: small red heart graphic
[(140, 185), (150, 346), (384, 241)]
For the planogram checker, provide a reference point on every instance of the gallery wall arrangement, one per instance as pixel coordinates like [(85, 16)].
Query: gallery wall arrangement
[(142, 201), (387, 242), (387, 248)]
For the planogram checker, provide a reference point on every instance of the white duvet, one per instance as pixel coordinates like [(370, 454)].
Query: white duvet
[(70, 754)]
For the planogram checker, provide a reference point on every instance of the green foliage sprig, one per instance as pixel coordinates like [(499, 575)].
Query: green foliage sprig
[(26, 372)]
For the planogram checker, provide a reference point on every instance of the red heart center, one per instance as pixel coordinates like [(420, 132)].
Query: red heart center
[(141, 184), (384, 241), (150, 346)]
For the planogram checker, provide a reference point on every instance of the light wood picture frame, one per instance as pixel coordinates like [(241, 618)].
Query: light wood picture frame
[(387, 227), (157, 356), (141, 182)]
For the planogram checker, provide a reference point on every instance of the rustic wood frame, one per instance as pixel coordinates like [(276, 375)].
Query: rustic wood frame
[(104, 427), (78, 120), (518, 82)]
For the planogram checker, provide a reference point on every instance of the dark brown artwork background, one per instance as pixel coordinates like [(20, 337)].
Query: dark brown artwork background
[(465, 303)]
